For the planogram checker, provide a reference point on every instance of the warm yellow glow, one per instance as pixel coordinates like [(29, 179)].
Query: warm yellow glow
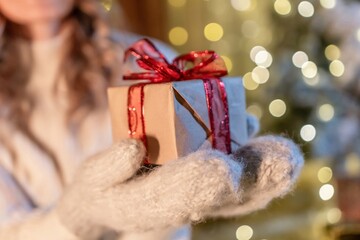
[(260, 75), (308, 132), (306, 9), (324, 174), (177, 3), (107, 4), (249, 82), (312, 81), (277, 108), (299, 58), (178, 36), (326, 112), (352, 164), (228, 63), (328, 3), (309, 69), (326, 192), (213, 32), (241, 5), (358, 35), (244, 232), (332, 52), (337, 68), (255, 110), (263, 58), (333, 215), (282, 7), (254, 51)]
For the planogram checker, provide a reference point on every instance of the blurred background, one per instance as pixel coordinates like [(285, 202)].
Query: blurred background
[(300, 64)]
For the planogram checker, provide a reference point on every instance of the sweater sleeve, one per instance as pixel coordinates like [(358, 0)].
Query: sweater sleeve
[(21, 220)]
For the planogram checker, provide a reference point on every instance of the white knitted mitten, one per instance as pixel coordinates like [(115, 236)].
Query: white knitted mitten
[(105, 192)]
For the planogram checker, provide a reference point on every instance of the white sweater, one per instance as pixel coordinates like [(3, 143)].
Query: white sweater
[(32, 179)]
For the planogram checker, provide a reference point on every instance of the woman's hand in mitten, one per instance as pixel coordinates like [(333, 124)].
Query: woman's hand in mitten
[(107, 193)]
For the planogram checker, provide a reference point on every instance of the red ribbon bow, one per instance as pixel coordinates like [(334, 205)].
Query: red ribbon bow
[(205, 65)]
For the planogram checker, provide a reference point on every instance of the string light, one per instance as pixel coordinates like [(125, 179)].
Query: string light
[(306, 9), (178, 36), (309, 69), (308, 132), (255, 110), (249, 82), (241, 5), (260, 75), (282, 7), (326, 192), (213, 32), (328, 3), (228, 63), (177, 3), (332, 52), (326, 112), (333, 215), (299, 58), (324, 174), (277, 108), (244, 232), (337, 68)]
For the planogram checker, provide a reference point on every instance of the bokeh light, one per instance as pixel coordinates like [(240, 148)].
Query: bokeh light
[(352, 164), (244, 232), (213, 32), (277, 108), (263, 58), (326, 192), (306, 9), (337, 68), (328, 3), (282, 7), (309, 69), (255, 50), (332, 52), (255, 110), (249, 82), (358, 35), (300, 58), (324, 174), (312, 81), (260, 75), (308, 132), (177, 3), (333, 215), (178, 36), (228, 62), (241, 5), (326, 112)]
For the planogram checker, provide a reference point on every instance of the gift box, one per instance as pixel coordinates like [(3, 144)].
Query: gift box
[(175, 116)]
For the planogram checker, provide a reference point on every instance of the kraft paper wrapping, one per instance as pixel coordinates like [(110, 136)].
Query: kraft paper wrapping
[(176, 117)]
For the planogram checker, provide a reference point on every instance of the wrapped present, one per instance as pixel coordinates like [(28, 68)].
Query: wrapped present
[(179, 109)]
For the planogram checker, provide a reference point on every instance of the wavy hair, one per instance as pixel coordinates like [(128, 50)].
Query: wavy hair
[(89, 66)]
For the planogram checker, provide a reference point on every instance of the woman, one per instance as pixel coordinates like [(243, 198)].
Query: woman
[(57, 58)]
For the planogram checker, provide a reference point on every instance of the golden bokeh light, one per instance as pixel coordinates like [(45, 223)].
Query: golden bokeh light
[(306, 9), (309, 69), (333, 215), (260, 75), (277, 108), (213, 32), (358, 34), (255, 110), (282, 7), (352, 164), (326, 112), (337, 68), (326, 192), (324, 174), (332, 52), (177, 3), (107, 4), (249, 82), (308, 132), (178, 36), (228, 62), (299, 58), (328, 3), (255, 50), (312, 81), (241, 5), (244, 232), (263, 58)]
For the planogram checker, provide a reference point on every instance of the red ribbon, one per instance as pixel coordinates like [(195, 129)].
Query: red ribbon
[(206, 65)]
